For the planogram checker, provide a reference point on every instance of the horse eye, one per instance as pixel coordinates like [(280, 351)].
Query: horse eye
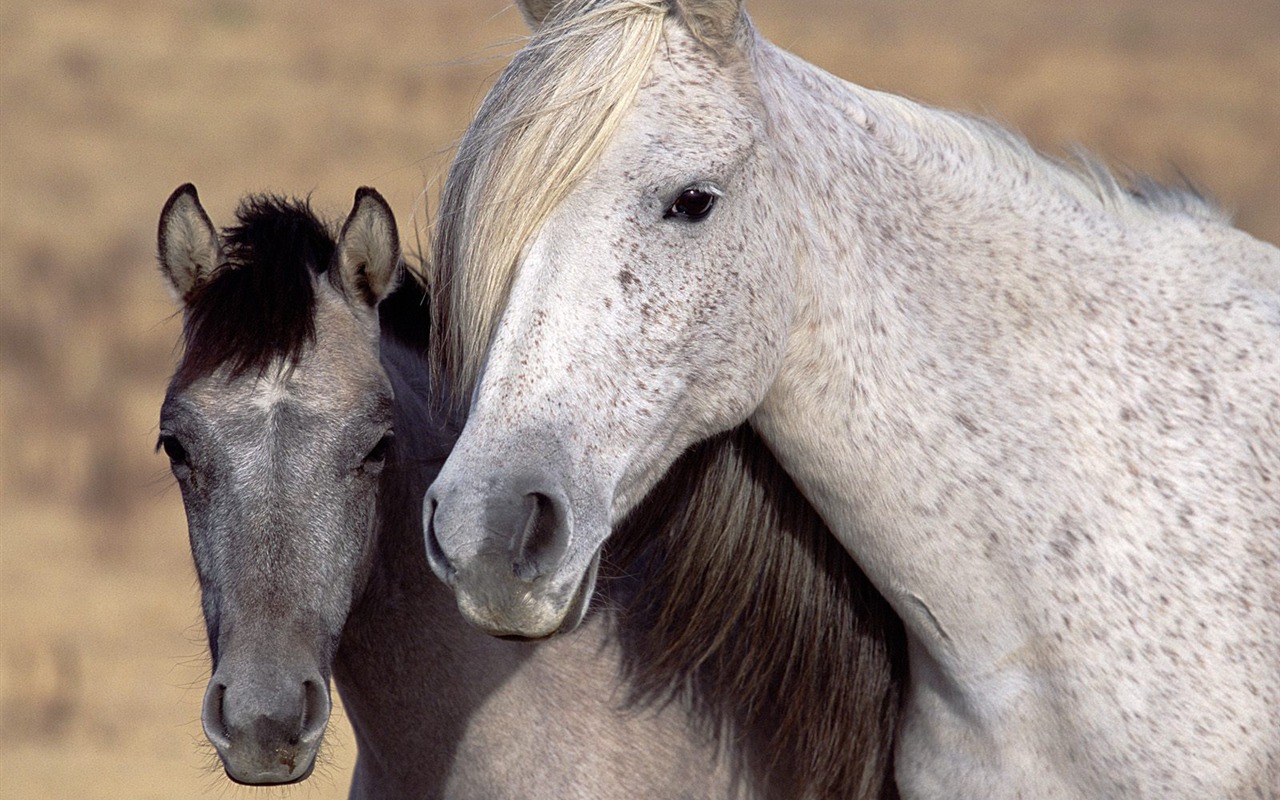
[(173, 449), (378, 454), (693, 205)]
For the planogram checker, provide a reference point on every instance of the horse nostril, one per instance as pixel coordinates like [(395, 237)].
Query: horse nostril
[(315, 711), (211, 716), (436, 558), (544, 539)]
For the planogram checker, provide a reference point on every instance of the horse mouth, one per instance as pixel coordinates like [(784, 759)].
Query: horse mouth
[(582, 597), (282, 771), (574, 614), (533, 613)]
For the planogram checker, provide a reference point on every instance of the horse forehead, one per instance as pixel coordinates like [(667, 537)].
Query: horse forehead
[(684, 72), (270, 390), (343, 361), (251, 402), (336, 375), (697, 65), (691, 113)]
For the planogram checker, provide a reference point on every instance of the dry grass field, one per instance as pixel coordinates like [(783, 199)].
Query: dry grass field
[(106, 106)]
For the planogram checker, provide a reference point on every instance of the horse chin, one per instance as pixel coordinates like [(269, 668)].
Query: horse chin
[(535, 619), (272, 777)]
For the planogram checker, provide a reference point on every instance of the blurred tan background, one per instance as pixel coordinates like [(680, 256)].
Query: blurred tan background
[(106, 106)]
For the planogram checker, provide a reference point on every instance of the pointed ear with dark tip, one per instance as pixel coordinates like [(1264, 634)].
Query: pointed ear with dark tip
[(716, 23), (367, 259), (188, 247), (535, 11)]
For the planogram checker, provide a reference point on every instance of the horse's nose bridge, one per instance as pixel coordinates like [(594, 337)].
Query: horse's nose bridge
[(277, 528)]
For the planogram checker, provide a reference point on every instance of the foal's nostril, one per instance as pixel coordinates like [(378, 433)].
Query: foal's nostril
[(211, 716), (544, 539), (315, 712), (436, 558)]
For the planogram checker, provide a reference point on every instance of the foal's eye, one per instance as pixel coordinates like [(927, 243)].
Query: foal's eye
[(378, 455), (693, 205), (173, 449)]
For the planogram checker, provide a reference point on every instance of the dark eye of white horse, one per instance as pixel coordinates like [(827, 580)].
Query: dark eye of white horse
[(693, 205)]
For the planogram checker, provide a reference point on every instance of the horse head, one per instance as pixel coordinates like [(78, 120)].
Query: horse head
[(277, 425)]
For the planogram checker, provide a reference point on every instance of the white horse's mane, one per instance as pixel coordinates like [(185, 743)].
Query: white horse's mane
[(542, 126), (1086, 176)]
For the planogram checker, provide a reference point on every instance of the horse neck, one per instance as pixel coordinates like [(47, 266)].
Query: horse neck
[(410, 672), (1005, 391), (930, 259), (424, 437), (966, 323)]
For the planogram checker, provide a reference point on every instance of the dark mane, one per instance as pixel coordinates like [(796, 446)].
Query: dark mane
[(741, 602), (405, 314), (260, 306)]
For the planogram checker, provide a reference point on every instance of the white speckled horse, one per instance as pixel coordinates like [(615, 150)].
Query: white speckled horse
[(1040, 409)]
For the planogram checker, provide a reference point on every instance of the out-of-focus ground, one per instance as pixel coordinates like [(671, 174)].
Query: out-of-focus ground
[(106, 106)]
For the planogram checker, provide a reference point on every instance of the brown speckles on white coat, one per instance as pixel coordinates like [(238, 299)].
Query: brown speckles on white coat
[(1042, 414)]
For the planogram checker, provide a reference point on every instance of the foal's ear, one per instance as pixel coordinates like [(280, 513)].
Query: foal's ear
[(188, 247), (715, 23), (367, 259)]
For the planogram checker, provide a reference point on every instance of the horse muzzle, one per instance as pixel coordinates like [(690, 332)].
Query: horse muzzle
[(266, 724), (506, 546), (526, 614)]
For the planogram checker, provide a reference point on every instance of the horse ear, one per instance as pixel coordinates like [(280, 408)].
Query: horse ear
[(716, 23), (367, 259), (188, 248), (535, 11)]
